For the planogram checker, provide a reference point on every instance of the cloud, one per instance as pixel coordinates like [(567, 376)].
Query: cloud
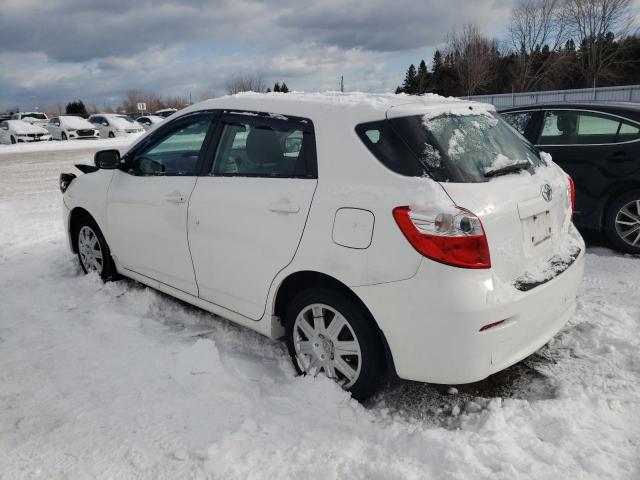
[(63, 49)]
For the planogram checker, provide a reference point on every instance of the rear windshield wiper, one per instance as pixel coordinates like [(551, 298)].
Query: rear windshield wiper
[(512, 167)]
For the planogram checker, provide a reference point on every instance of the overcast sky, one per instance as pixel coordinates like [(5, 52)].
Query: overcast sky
[(58, 50)]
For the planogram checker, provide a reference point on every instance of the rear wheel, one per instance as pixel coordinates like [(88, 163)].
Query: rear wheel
[(63, 136), (330, 334), (622, 222), (93, 252)]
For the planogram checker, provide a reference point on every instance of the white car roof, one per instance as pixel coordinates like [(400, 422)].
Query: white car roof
[(359, 106)]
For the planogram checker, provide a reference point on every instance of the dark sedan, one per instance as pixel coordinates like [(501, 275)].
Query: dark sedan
[(598, 145)]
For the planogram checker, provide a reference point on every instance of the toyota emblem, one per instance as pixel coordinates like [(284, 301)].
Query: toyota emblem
[(547, 193)]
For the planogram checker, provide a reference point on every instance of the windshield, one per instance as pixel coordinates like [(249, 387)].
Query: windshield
[(469, 147)]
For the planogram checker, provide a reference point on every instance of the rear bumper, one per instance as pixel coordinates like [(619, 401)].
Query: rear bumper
[(432, 322)]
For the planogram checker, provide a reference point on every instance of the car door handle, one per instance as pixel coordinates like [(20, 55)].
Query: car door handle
[(619, 157), (284, 206), (176, 197)]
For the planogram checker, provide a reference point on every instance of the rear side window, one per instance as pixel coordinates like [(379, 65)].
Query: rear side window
[(265, 147), (390, 149), (628, 132)]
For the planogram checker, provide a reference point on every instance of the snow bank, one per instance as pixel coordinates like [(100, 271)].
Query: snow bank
[(118, 381), (76, 145)]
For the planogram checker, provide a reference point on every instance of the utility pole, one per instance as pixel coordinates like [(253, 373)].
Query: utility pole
[(342, 83)]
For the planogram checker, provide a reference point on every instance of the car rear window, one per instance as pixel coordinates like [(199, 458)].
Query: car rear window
[(456, 148)]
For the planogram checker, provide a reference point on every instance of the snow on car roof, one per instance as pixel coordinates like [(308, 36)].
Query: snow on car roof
[(360, 104)]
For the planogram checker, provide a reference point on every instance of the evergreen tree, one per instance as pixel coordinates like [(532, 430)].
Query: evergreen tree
[(76, 107), (284, 88), (276, 87), (424, 78), (410, 81)]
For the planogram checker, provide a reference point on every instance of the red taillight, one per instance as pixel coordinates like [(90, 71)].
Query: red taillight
[(572, 195), (455, 237)]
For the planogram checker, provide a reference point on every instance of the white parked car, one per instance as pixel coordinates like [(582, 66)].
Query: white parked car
[(165, 112), (68, 127), (112, 125), (35, 118), (148, 121), (19, 131), (376, 233)]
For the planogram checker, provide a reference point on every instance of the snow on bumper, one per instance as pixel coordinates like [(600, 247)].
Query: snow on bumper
[(434, 336)]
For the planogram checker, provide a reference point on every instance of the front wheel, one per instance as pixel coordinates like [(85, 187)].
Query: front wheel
[(63, 136), (93, 252), (13, 140), (622, 222), (329, 333), (111, 135)]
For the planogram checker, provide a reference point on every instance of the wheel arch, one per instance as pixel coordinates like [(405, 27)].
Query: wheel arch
[(77, 213), (305, 279), (615, 191)]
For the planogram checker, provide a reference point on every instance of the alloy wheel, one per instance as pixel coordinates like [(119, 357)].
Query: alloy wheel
[(325, 342), (628, 223), (90, 250)]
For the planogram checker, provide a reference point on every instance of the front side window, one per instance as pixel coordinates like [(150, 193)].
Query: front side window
[(518, 120), (175, 153), (259, 148)]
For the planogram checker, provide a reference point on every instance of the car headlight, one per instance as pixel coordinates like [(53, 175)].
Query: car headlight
[(71, 129)]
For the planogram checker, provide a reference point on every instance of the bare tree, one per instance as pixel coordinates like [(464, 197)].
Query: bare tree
[(534, 25), (594, 23), (133, 97), (207, 94), (473, 58), (245, 83)]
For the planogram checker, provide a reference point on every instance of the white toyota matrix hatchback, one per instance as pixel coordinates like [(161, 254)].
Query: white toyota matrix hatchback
[(379, 234)]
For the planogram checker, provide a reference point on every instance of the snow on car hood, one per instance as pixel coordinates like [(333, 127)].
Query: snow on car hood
[(76, 122), (21, 127)]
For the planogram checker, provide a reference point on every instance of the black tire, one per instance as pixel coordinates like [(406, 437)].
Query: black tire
[(111, 135), (372, 363), (107, 270), (615, 232), (63, 136), (13, 140)]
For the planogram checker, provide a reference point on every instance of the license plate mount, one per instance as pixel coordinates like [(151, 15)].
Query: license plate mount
[(539, 228)]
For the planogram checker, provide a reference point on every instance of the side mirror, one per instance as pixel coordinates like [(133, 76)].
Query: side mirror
[(107, 159)]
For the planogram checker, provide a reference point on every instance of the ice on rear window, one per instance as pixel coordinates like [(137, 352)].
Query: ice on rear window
[(477, 141)]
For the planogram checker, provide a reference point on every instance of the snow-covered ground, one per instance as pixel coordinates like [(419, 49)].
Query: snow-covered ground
[(119, 381)]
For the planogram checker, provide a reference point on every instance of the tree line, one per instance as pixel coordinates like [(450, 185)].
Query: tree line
[(551, 45)]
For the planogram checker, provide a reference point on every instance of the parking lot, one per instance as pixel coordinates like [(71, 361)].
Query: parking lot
[(119, 381)]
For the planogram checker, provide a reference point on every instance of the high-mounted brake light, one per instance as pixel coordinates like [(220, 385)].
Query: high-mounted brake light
[(454, 236)]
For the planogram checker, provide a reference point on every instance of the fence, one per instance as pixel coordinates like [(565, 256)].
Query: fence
[(627, 93)]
